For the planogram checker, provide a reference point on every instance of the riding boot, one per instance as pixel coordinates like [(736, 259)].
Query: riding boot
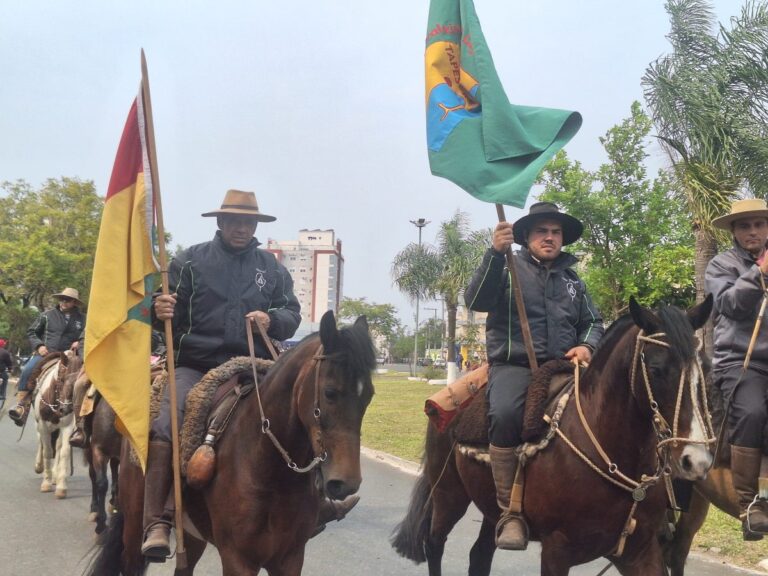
[(745, 467), (333, 510), (20, 412), (511, 529), (78, 439), (157, 486)]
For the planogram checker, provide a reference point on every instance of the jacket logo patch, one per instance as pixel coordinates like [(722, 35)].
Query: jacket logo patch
[(260, 280), (570, 288)]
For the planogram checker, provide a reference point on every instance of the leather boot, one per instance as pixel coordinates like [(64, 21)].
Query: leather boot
[(78, 438), (157, 486), (745, 467), (20, 412), (333, 510), (511, 530)]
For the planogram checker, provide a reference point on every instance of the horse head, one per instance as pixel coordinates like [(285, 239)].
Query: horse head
[(668, 381), (341, 392)]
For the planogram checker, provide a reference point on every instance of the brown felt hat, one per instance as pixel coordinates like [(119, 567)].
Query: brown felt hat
[(69, 293), (751, 208), (239, 202), (572, 228)]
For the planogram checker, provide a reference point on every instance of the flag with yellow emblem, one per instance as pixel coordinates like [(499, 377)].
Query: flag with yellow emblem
[(492, 149), (118, 331)]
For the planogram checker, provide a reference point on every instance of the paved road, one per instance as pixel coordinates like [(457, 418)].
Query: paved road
[(43, 536)]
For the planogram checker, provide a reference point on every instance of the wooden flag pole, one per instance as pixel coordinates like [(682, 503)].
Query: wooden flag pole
[(521, 313), (181, 553)]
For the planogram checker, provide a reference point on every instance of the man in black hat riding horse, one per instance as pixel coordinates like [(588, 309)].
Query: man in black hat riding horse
[(564, 323)]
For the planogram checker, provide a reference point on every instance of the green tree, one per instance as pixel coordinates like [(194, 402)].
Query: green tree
[(382, 318), (47, 238), (637, 239), (708, 100), (442, 270)]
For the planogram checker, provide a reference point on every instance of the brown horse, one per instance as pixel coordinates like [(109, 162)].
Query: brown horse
[(260, 509), (103, 451), (642, 388)]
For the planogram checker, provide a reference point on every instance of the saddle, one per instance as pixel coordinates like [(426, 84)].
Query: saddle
[(207, 405), (547, 385)]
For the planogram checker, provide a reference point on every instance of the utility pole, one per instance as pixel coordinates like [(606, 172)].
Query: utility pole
[(419, 223)]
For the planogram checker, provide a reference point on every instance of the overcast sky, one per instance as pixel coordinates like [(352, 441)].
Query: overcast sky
[(318, 107)]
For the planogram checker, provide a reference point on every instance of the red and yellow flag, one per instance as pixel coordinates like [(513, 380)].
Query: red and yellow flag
[(118, 331)]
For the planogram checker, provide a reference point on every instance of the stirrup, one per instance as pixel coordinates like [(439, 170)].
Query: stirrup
[(18, 414), (748, 532)]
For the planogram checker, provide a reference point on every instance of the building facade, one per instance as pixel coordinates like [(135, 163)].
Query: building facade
[(317, 267)]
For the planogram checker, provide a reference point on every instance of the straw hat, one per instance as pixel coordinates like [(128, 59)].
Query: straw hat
[(238, 202), (69, 293), (751, 208), (572, 228)]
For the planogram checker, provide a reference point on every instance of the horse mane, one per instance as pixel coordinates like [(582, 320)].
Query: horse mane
[(355, 350), (673, 322)]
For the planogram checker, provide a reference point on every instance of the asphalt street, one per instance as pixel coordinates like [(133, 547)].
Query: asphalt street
[(44, 536)]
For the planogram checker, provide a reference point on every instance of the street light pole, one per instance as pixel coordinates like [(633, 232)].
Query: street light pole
[(419, 223), (429, 333)]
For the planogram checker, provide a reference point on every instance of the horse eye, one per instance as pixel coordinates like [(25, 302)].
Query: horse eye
[(331, 394)]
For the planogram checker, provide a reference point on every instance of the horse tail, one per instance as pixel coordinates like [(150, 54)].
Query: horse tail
[(107, 557), (409, 536)]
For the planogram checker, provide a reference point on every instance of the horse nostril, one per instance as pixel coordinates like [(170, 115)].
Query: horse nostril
[(687, 465), (336, 489)]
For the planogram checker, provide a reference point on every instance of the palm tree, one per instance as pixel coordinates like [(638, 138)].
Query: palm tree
[(444, 270), (709, 102)]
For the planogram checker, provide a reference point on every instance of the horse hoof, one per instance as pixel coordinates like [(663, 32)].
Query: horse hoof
[(46, 486), (61, 493), (92, 517)]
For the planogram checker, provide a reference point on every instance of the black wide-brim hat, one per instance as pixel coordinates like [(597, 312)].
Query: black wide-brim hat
[(572, 228)]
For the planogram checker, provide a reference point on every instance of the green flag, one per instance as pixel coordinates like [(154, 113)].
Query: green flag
[(492, 149)]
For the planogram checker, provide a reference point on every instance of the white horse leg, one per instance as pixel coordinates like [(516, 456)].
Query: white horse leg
[(63, 453), (39, 454), (48, 481)]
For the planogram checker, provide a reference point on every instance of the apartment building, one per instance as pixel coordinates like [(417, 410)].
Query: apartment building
[(317, 267)]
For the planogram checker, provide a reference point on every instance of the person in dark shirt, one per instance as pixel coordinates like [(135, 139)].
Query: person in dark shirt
[(6, 367), (58, 329)]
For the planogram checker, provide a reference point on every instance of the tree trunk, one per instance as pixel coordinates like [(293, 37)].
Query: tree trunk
[(706, 249), (450, 368)]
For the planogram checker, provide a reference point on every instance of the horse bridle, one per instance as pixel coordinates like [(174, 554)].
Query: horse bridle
[(58, 405), (317, 359), (665, 435)]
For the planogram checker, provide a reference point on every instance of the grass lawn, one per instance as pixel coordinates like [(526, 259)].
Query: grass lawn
[(395, 423)]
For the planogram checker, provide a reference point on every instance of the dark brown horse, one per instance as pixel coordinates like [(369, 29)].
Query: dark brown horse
[(642, 388), (102, 452), (259, 511)]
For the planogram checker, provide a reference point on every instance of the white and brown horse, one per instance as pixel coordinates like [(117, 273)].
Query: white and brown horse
[(54, 419)]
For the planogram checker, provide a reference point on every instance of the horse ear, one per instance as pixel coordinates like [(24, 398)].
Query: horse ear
[(699, 314), (643, 317), (361, 323), (329, 334)]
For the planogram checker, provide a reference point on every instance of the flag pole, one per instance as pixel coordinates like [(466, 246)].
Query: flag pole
[(181, 553), (521, 313)]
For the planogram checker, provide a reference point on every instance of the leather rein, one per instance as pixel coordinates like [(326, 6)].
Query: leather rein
[(317, 360), (666, 436)]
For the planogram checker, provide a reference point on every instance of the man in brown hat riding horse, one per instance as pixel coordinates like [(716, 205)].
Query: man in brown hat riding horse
[(563, 323), (216, 284), (737, 279), (58, 329)]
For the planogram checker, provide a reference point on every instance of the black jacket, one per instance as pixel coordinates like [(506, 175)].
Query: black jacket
[(53, 330), (561, 314), (216, 287)]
